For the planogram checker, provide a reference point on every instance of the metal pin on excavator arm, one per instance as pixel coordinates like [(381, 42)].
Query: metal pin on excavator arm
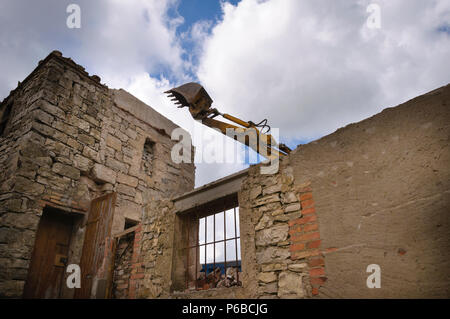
[(195, 97)]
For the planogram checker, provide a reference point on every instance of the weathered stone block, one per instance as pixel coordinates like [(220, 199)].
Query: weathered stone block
[(266, 200), (113, 142), (290, 285), (84, 125), (267, 277), (21, 221), (66, 170), (82, 163), (265, 221), (57, 147), (72, 143), (127, 190), (86, 139), (131, 133), (271, 254), (43, 117), (14, 205), (270, 288), (33, 150), (289, 197), (51, 109), (66, 128), (302, 267), (24, 185), (116, 165), (127, 180), (274, 267), (91, 120), (272, 235), (272, 189), (121, 136), (91, 153), (292, 208), (95, 133), (255, 191), (43, 129), (103, 174)]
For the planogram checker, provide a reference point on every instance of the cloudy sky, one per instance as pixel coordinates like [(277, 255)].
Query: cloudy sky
[(308, 66)]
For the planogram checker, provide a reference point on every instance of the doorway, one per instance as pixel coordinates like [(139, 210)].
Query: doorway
[(49, 258)]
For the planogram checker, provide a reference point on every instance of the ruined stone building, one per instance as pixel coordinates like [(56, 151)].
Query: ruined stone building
[(87, 179), (72, 151)]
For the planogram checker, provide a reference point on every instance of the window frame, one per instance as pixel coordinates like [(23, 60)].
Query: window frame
[(193, 216), (148, 143), (5, 116)]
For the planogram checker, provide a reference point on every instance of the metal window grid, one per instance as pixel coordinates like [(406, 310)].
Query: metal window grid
[(199, 246)]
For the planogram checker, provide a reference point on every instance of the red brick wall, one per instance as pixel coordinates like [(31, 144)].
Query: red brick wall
[(137, 268), (129, 272), (305, 242)]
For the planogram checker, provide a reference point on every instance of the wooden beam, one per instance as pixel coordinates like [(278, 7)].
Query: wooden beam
[(126, 231)]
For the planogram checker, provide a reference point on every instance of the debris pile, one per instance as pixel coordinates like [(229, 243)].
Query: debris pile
[(216, 279)]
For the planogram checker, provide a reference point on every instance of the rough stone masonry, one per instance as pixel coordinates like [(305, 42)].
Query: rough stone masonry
[(373, 192), (69, 139)]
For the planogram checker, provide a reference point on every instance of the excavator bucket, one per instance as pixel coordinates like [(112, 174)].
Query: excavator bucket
[(194, 96)]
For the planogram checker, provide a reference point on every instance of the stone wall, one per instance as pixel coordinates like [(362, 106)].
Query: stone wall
[(17, 230), (69, 140), (122, 266), (374, 192), (278, 243)]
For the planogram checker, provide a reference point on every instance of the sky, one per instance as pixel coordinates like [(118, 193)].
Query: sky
[(215, 230), (309, 67)]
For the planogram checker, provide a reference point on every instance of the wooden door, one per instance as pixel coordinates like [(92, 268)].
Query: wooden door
[(98, 230), (49, 257)]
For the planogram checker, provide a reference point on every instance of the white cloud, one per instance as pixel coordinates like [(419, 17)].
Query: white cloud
[(311, 67), (122, 42), (117, 39), (211, 163), (130, 37)]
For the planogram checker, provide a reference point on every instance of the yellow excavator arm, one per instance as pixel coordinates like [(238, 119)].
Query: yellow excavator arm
[(195, 97)]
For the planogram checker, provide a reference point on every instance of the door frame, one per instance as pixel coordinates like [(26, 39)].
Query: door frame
[(50, 215)]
